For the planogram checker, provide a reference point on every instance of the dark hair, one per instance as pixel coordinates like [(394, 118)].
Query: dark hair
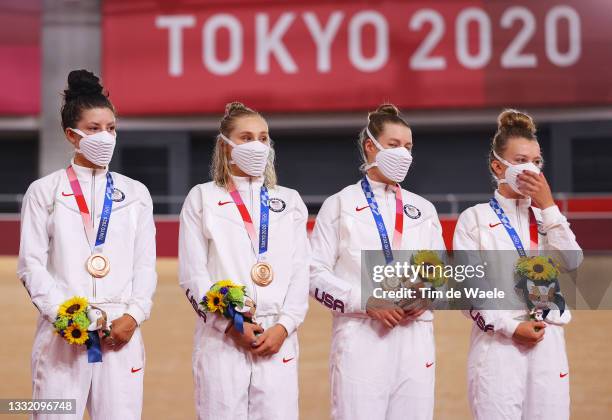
[(384, 114), (511, 124), (84, 92), (233, 111)]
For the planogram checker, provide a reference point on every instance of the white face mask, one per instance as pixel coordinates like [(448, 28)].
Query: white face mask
[(251, 157), (513, 171), (393, 163), (97, 148)]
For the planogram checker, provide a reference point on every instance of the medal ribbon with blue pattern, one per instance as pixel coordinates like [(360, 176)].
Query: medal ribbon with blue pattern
[(264, 219), (107, 209), (516, 240), (380, 224)]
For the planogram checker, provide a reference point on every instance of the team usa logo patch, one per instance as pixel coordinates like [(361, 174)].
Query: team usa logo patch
[(412, 211), (118, 195), (277, 205)]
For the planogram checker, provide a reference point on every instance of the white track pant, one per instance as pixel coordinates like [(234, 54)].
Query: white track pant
[(232, 384), (112, 389), (377, 373), (512, 382)]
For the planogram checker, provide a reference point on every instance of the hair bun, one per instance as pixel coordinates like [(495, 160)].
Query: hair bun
[(82, 83), (386, 109), (236, 107), (512, 119)]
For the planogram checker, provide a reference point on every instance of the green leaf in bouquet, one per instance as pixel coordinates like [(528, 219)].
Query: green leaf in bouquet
[(61, 322), (81, 320), (235, 295)]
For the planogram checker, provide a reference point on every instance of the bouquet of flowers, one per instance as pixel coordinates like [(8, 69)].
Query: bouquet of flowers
[(430, 274), (72, 322), (78, 323), (431, 268), (230, 301), (539, 284)]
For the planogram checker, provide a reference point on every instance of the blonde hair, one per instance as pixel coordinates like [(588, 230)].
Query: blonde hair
[(220, 167)]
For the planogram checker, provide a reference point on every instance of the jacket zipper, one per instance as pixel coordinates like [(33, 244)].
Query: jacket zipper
[(93, 219), (518, 220), (251, 194), (256, 250)]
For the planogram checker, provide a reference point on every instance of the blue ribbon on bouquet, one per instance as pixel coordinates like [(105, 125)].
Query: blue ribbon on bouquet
[(237, 317), (94, 351)]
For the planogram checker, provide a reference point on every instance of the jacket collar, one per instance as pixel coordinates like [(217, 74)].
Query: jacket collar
[(510, 204), (243, 183), (83, 173), (378, 187)]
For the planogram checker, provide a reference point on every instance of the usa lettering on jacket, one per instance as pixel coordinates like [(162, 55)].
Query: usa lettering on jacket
[(329, 301), (480, 322)]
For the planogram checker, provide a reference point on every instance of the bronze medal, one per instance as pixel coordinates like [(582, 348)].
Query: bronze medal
[(261, 274), (98, 265)]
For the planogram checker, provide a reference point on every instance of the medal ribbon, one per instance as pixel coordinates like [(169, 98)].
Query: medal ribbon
[(264, 219), (94, 350), (380, 224), (86, 216), (516, 240)]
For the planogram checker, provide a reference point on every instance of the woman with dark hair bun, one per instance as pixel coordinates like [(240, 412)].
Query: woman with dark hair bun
[(383, 354), (517, 364), (87, 260)]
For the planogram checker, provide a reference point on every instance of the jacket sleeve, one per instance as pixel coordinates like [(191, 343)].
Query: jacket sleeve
[(295, 305), (437, 244), (194, 277), (325, 243), (437, 239), (561, 239), (34, 254), (145, 274), (466, 238)]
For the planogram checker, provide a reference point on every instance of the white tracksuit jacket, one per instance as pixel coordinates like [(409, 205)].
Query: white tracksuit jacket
[(376, 373), (214, 245), (52, 255), (507, 380)]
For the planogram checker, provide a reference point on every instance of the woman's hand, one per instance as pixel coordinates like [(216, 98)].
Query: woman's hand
[(246, 340), (535, 186), (270, 341), (414, 313), (529, 333), (386, 312), (121, 332)]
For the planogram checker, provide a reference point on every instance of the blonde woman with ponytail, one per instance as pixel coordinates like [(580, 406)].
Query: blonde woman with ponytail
[(382, 362), (244, 227), (517, 365)]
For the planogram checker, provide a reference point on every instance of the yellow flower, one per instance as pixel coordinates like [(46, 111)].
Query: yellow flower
[(538, 268), (75, 335), (427, 257), (431, 267), (214, 302), (225, 283), (72, 306)]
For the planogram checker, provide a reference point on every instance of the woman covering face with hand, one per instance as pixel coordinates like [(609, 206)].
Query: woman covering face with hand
[(382, 357), (517, 366), (87, 259), (244, 228)]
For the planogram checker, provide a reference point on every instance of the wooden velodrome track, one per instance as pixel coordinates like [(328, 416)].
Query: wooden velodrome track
[(168, 341)]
